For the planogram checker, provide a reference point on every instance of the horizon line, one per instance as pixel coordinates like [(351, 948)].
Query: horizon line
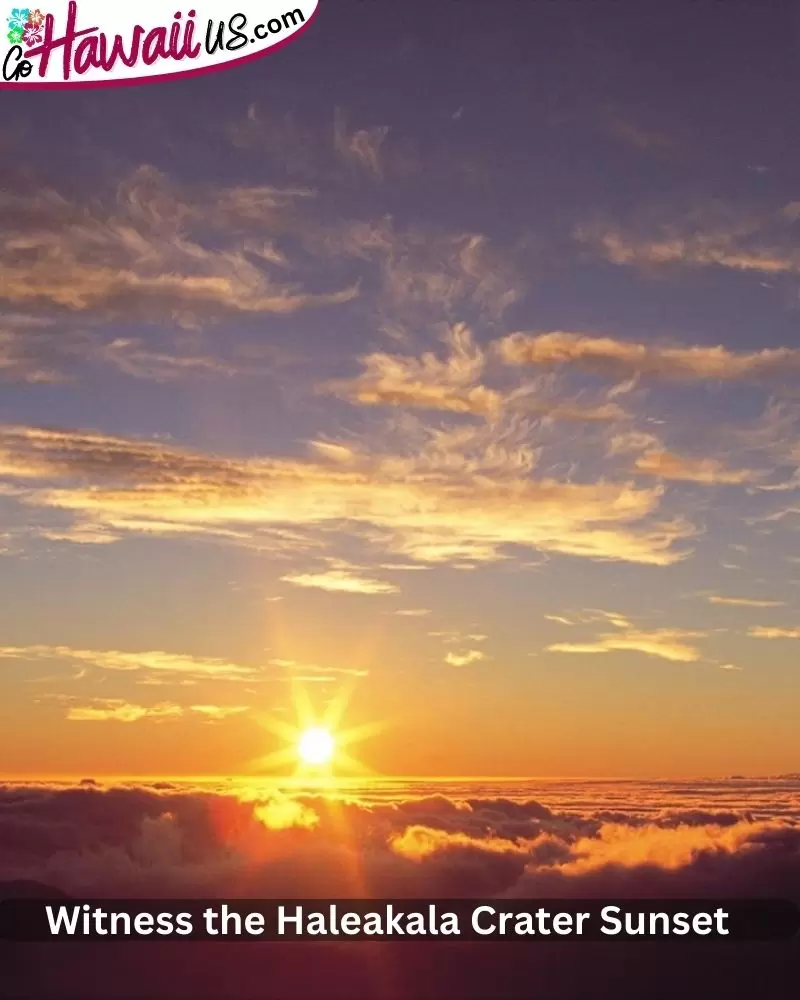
[(380, 779)]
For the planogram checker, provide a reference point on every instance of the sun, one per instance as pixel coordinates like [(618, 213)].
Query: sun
[(316, 743), (316, 746)]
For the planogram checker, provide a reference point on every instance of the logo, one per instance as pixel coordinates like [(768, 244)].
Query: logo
[(94, 43)]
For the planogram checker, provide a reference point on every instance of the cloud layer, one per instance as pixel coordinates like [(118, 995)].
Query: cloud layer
[(173, 840), (725, 839)]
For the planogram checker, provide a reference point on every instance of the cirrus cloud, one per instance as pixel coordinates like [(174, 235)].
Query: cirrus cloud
[(610, 356), (664, 643), (766, 632), (458, 497)]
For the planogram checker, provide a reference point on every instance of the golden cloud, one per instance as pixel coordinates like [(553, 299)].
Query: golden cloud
[(464, 659), (417, 842), (454, 385), (461, 497), (216, 713), (699, 251), (425, 382), (628, 846), (681, 468), (152, 661), (284, 813), (341, 580), (744, 602), (665, 643), (624, 358), (712, 236), (117, 710), (142, 255), (764, 632)]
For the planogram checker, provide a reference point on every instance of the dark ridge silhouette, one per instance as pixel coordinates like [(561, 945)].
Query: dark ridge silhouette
[(25, 888)]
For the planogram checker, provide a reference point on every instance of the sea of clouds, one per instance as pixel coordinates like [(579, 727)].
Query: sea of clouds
[(572, 839), (732, 837)]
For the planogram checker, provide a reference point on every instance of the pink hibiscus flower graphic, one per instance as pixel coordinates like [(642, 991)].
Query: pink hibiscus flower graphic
[(32, 34)]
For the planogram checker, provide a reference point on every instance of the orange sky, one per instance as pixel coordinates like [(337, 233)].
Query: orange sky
[(472, 398)]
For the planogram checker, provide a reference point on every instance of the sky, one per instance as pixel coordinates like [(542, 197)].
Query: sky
[(441, 366)]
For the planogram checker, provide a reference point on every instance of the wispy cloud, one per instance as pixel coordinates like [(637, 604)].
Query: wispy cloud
[(133, 357), (341, 580), (118, 710), (763, 243), (155, 662), (420, 269), (314, 669), (217, 713), (359, 146), (454, 637), (465, 658), (45, 351), (618, 358), (426, 382), (684, 468), (448, 497), (765, 632), (418, 272), (141, 254), (458, 383), (743, 602), (33, 351), (665, 643), (158, 668), (560, 619)]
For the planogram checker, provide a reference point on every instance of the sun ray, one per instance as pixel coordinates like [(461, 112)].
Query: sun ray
[(316, 742)]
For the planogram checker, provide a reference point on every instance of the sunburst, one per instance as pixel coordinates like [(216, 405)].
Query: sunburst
[(316, 742)]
